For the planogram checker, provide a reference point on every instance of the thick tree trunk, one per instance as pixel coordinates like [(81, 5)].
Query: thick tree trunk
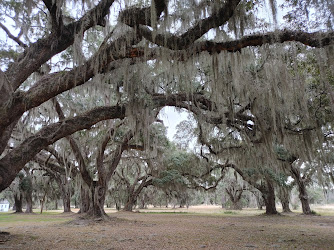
[(18, 203), (65, 187), (236, 205), (98, 194), (67, 202), (235, 197), (130, 203), (269, 199), (66, 196), (133, 194), (84, 199), (304, 199), (284, 197), (303, 196), (285, 206), (29, 202)]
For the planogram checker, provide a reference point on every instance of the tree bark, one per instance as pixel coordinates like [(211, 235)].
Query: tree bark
[(66, 194), (65, 188), (303, 196), (284, 197), (235, 197), (56, 204), (98, 195), (18, 203), (42, 201), (134, 193), (130, 203), (269, 198), (259, 199), (84, 199), (28, 195), (67, 202)]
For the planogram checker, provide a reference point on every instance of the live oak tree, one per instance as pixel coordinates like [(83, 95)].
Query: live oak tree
[(207, 57), (138, 168)]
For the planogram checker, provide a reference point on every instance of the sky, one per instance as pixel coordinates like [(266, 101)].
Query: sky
[(171, 118)]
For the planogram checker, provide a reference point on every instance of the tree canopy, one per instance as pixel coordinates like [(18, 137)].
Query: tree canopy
[(252, 80)]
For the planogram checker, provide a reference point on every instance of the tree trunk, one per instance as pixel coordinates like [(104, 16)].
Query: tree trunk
[(235, 197), (303, 196), (130, 203), (98, 194), (236, 205), (42, 201), (84, 199), (18, 203), (29, 202), (67, 202), (133, 194), (284, 197), (304, 199), (66, 196), (269, 199), (259, 200), (285, 206), (65, 188)]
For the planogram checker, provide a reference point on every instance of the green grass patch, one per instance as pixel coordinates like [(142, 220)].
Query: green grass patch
[(230, 212), (167, 212), (22, 217)]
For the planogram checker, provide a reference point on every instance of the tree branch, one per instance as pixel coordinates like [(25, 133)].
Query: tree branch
[(136, 16), (41, 51), (75, 148), (56, 15), (55, 83), (217, 18), (16, 39), (11, 164)]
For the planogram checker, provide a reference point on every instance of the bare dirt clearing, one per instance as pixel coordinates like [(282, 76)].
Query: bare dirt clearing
[(217, 229)]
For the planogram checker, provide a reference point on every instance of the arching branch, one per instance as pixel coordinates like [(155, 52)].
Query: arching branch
[(11, 36), (216, 19), (11, 164), (43, 49), (56, 15)]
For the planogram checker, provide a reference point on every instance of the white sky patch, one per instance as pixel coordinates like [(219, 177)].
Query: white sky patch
[(171, 118)]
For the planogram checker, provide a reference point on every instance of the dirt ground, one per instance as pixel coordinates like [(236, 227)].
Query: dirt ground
[(195, 228)]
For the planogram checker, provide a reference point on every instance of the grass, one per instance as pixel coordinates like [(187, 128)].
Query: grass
[(10, 217), (167, 212), (56, 215)]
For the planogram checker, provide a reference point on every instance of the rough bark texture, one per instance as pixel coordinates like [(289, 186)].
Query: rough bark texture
[(98, 194), (18, 200), (133, 192), (84, 199), (269, 198), (130, 203), (29, 202), (65, 187), (303, 196), (284, 197), (234, 193)]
